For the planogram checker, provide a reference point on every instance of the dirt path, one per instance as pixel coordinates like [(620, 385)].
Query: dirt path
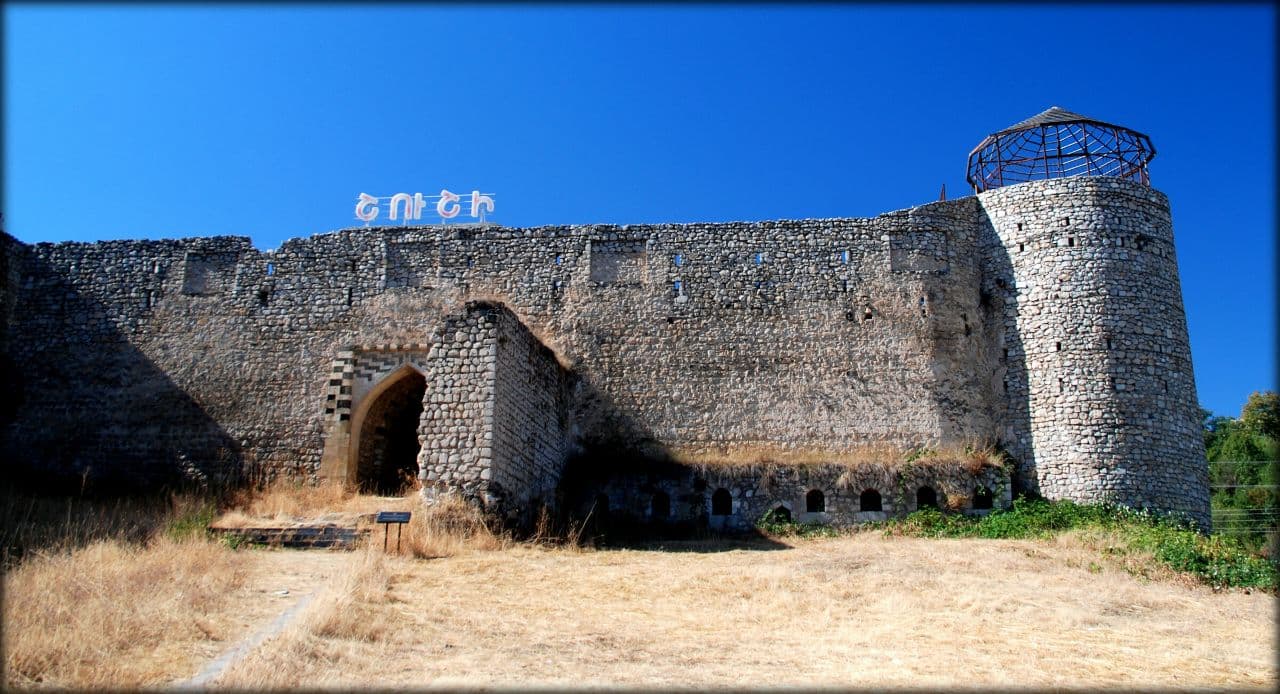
[(278, 587)]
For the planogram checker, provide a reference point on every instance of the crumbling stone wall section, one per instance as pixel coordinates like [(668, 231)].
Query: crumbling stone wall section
[(1101, 402)]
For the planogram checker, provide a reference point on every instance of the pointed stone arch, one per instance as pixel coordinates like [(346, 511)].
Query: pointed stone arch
[(385, 442)]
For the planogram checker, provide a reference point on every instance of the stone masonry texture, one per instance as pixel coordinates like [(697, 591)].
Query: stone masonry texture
[(1044, 317)]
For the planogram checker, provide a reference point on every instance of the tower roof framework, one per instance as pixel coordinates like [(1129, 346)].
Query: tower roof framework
[(1057, 143)]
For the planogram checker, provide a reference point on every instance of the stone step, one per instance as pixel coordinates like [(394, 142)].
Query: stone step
[(297, 537)]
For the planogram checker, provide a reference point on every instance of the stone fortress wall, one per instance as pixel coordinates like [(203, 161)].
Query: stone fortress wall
[(206, 358)]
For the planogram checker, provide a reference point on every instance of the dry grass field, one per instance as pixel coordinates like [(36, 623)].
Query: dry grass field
[(853, 612), (463, 608)]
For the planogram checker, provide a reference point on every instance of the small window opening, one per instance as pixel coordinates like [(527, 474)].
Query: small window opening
[(351, 266), (982, 498), (263, 296), (1120, 241), (844, 285), (1071, 240), (1019, 226), (924, 311), (850, 316), (721, 502), (781, 514), (678, 286), (869, 500), (149, 299), (1006, 352), (844, 256), (1066, 221), (1057, 346), (556, 284), (1006, 385), (1108, 343), (1022, 247), (1061, 385), (967, 330), (559, 259), (155, 267), (926, 497), (679, 259), (866, 313), (759, 259), (815, 501), (660, 506), (349, 292), (271, 269)]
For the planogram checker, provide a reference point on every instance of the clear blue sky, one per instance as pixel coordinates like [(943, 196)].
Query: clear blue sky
[(146, 121)]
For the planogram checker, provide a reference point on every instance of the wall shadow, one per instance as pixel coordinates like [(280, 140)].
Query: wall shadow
[(87, 412), (609, 483), (998, 300)]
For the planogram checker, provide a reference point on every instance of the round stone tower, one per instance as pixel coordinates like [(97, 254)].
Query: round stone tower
[(1095, 367)]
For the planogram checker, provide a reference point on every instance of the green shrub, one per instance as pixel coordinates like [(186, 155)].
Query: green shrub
[(191, 521), (1216, 560), (772, 523)]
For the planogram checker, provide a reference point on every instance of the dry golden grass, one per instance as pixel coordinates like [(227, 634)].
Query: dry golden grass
[(447, 527), (112, 614), (859, 611), (288, 501), (62, 523), (351, 610), (881, 460)]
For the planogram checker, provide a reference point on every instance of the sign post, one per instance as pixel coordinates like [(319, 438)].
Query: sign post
[(386, 518)]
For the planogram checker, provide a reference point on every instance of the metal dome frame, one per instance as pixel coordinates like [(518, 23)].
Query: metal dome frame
[(1056, 144)]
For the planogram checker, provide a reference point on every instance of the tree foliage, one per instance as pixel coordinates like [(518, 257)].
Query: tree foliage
[(1261, 414), (1245, 499)]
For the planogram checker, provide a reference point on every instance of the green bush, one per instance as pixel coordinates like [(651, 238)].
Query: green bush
[(772, 523), (1216, 560), (192, 521)]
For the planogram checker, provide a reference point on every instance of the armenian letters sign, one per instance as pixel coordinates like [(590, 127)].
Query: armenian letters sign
[(406, 207)]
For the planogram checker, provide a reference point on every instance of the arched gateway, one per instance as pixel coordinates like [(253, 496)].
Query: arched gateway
[(480, 411)]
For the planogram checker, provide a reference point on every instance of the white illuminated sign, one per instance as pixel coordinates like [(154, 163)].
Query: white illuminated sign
[(405, 207)]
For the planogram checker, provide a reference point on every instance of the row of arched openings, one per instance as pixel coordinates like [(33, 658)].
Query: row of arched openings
[(815, 501)]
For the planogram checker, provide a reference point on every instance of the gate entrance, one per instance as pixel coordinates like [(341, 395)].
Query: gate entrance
[(387, 461)]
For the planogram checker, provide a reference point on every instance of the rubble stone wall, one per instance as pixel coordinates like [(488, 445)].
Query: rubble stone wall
[(928, 327), (1101, 402)]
